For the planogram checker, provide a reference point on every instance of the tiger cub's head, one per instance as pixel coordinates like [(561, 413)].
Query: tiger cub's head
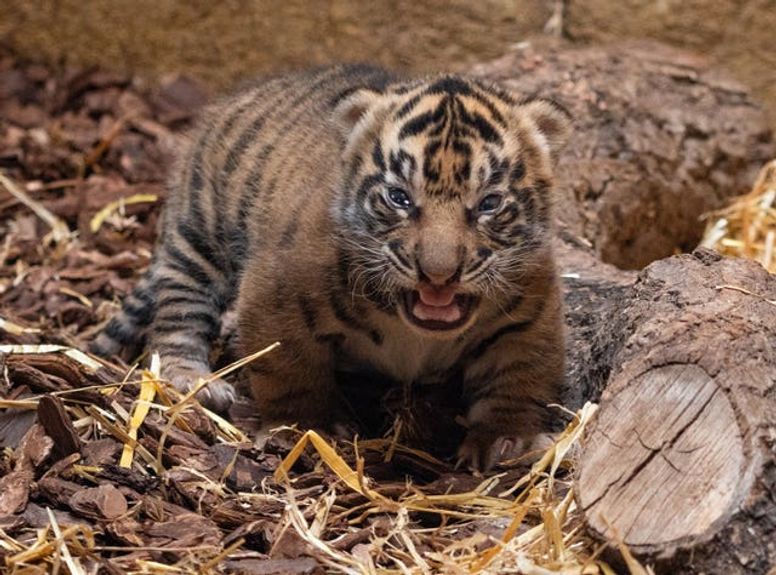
[(446, 199)]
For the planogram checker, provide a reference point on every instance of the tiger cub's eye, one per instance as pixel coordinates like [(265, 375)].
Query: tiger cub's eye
[(399, 198), (490, 203)]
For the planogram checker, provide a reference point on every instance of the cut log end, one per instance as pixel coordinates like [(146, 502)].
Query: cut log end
[(666, 463)]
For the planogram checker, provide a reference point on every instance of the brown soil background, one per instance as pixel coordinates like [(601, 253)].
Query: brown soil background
[(225, 41)]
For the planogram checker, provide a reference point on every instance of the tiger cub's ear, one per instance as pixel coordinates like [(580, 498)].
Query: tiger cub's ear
[(553, 122), (354, 107)]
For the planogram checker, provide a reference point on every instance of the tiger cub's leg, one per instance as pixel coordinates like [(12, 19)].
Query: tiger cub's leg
[(509, 388), (125, 333), (295, 385), (190, 300)]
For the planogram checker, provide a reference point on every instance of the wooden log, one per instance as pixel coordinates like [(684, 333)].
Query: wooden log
[(681, 462)]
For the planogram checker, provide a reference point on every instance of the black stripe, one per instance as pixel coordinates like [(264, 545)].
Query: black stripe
[(367, 77), (416, 125), (480, 349), (407, 107), (197, 239), (508, 215), (497, 116), (196, 185), (501, 242), (451, 85), (197, 179), (383, 218), (143, 291), (253, 183), (485, 129), (485, 101), (182, 263), (512, 303), (518, 172), (172, 284), (335, 340), (177, 299), (245, 139), (462, 148), (395, 247), (119, 331), (408, 87), (367, 184), (264, 212), (397, 161), (142, 314), (308, 312), (422, 121), (430, 172), (526, 198), (541, 189), (377, 156), (477, 265), (521, 231), (347, 182)]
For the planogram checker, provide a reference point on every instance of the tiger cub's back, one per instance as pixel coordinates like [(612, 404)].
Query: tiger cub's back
[(252, 149), (231, 196)]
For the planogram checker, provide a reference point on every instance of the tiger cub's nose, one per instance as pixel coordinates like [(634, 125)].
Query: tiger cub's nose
[(439, 276)]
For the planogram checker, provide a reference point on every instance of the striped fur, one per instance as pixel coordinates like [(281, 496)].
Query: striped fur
[(284, 203)]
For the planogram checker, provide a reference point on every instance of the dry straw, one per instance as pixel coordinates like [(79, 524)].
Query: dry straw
[(531, 525), (747, 227)]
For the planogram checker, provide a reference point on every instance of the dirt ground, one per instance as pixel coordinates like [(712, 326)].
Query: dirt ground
[(223, 42)]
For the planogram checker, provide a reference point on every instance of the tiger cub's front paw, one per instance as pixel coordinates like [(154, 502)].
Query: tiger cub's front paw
[(217, 395), (482, 450), (286, 437)]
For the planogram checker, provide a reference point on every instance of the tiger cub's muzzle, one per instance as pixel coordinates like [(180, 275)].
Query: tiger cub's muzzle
[(438, 309)]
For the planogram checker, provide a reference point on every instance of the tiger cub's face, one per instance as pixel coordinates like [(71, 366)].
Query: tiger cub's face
[(446, 204)]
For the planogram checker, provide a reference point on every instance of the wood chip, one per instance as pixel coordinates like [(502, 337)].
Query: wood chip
[(57, 423), (103, 502), (14, 491)]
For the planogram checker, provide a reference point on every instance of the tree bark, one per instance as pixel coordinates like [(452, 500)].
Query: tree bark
[(681, 461)]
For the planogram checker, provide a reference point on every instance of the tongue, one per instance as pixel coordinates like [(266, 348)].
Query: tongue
[(437, 297), (437, 304), (448, 314)]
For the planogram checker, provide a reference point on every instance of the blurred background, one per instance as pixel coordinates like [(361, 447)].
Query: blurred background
[(223, 42)]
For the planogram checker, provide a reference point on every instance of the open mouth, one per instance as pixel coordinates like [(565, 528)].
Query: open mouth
[(438, 309)]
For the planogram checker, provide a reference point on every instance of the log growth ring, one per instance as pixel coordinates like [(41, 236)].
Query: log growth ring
[(665, 463)]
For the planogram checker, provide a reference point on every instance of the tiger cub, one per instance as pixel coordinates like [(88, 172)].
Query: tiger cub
[(367, 221)]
